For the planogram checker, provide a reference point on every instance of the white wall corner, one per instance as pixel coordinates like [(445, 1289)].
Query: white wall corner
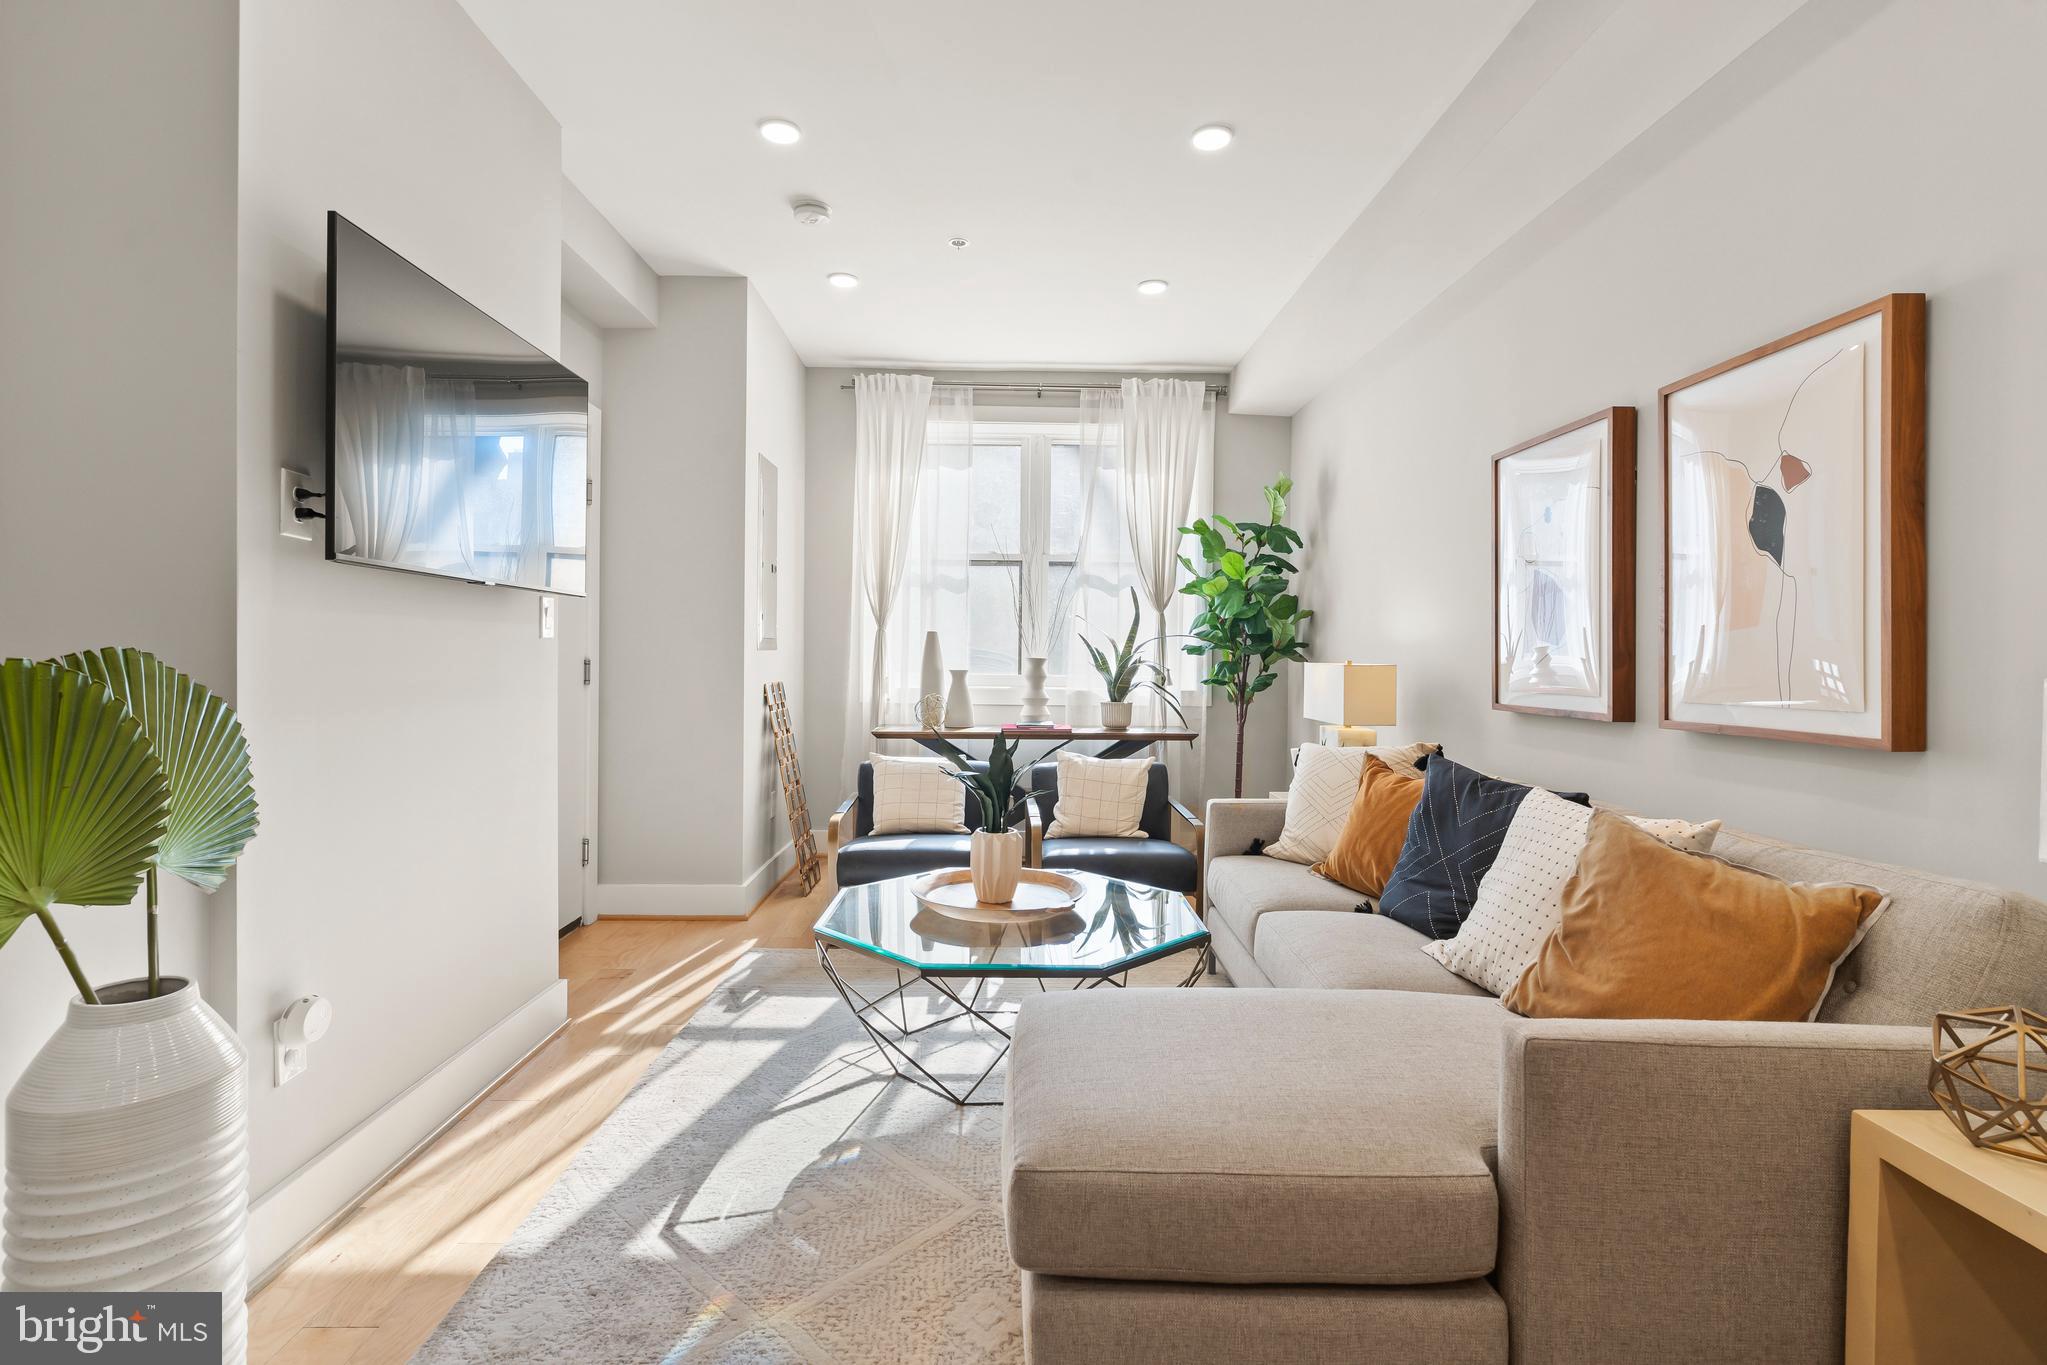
[(622, 900), (304, 1203), (603, 278)]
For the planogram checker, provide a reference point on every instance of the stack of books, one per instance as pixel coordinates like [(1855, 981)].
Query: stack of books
[(1036, 727)]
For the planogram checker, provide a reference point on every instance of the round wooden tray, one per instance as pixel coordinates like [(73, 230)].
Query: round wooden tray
[(1038, 893)]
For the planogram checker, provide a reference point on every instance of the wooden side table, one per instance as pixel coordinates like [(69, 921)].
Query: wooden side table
[(1947, 1245)]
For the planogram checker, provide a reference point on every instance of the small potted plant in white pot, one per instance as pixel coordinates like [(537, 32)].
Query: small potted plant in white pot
[(996, 852), (1126, 673), (126, 1135)]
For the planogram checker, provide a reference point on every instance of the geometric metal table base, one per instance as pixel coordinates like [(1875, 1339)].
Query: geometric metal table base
[(889, 1033)]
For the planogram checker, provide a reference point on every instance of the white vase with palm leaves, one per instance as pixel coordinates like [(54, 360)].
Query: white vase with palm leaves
[(126, 1158)]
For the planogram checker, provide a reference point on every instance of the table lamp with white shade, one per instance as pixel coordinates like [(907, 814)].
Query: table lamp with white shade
[(1348, 699)]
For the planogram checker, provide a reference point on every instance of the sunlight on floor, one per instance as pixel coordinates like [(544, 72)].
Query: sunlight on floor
[(373, 1287)]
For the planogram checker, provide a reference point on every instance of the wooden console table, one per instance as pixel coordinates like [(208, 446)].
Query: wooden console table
[(1123, 743), (1947, 1245)]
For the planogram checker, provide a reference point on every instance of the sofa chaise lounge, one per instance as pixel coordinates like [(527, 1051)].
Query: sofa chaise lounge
[(1373, 1160)]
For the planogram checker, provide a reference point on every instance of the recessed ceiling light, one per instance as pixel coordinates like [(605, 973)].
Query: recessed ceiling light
[(839, 279), (1213, 137), (780, 131), (1151, 286)]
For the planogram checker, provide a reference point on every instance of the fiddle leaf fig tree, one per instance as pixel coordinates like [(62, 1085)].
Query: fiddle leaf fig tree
[(198, 739), (84, 802), (1250, 620)]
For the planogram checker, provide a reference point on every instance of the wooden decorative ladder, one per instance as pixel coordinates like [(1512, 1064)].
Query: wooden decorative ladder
[(809, 862)]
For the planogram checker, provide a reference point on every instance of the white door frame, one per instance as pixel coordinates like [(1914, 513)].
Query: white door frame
[(592, 614)]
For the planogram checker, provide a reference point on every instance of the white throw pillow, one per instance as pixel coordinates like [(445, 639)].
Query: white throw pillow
[(917, 796), (1325, 783), (1100, 797), (1520, 901)]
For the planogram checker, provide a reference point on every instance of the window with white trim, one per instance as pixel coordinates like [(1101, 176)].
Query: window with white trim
[(1027, 489)]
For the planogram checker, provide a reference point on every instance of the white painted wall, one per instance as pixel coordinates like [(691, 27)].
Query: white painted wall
[(582, 350), (774, 428), (1856, 152), (690, 402), (404, 728), (1249, 453), (675, 429), (602, 276), (117, 372)]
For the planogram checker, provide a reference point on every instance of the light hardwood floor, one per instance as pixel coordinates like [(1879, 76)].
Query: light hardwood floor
[(376, 1284)]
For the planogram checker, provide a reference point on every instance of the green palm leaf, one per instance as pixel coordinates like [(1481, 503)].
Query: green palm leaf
[(198, 739), (83, 800)]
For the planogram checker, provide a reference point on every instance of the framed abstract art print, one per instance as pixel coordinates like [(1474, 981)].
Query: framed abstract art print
[(1564, 571), (1794, 532)]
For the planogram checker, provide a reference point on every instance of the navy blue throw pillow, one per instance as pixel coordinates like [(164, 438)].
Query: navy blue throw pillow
[(1452, 839)]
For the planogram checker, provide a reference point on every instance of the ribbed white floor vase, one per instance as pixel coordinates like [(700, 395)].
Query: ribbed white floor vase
[(127, 1156)]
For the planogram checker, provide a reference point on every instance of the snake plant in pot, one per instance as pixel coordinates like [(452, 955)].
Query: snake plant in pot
[(1126, 673), (996, 851), (126, 1152)]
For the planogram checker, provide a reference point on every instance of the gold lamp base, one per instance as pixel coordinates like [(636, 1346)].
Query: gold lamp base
[(1349, 736)]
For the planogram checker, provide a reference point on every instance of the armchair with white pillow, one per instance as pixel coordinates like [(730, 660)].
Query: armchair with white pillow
[(1114, 817)]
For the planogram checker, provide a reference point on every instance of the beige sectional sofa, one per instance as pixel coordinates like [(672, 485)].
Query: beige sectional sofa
[(1373, 1161)]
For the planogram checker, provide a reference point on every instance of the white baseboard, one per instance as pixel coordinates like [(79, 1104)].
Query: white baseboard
[(304, 1203), (705, 900)]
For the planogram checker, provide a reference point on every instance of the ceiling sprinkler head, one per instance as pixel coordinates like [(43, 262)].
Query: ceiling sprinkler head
[(956, 243), (812, 212)]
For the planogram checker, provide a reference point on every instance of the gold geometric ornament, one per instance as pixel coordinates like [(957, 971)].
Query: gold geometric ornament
[(1990, 1076)]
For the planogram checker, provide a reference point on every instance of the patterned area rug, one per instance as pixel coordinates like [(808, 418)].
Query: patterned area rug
[(768, 1193)]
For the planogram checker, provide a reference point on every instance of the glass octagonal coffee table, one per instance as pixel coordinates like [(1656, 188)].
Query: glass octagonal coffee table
[(1116, 926)]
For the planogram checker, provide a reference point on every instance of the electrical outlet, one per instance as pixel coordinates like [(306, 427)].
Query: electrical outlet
[(294, 1032), (288, 524)]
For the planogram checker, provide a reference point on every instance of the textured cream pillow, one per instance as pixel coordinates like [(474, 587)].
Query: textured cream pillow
[(1520, 902), (917, 796), (1325, 783), (1100, 797)]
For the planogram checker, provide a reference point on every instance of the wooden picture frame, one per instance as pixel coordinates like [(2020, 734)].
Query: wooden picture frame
[(1597, 680), (1853, 673)]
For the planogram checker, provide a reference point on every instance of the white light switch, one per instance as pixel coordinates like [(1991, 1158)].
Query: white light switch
[(546, 618)]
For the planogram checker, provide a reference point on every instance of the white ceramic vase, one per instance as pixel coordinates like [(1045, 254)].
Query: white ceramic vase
[(127, 1157), (1115, 715), (1036, 705), (931, 678), (996, 860), (959, 705)]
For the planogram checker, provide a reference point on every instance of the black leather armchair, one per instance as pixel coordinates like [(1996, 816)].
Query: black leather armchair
[(1157, 859), (860, 855)]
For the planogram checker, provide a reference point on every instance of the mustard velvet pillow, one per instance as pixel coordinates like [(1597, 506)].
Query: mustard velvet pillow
[(1374, 831), (1649, 932)]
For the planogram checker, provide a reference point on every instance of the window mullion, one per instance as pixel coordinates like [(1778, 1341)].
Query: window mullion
[(1034, 529)]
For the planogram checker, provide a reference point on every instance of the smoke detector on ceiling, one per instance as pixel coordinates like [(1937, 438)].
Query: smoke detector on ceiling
[(812, 212)]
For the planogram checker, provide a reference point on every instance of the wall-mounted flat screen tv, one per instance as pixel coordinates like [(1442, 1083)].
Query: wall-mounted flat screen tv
[(454, 447)]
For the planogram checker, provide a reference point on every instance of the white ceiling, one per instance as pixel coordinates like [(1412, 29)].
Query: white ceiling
[(1053, 135)]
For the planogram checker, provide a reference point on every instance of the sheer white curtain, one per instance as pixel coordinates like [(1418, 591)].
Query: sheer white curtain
[(934, 590), (1167, 474), (404, 466), (912, 447), (379, 435)]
